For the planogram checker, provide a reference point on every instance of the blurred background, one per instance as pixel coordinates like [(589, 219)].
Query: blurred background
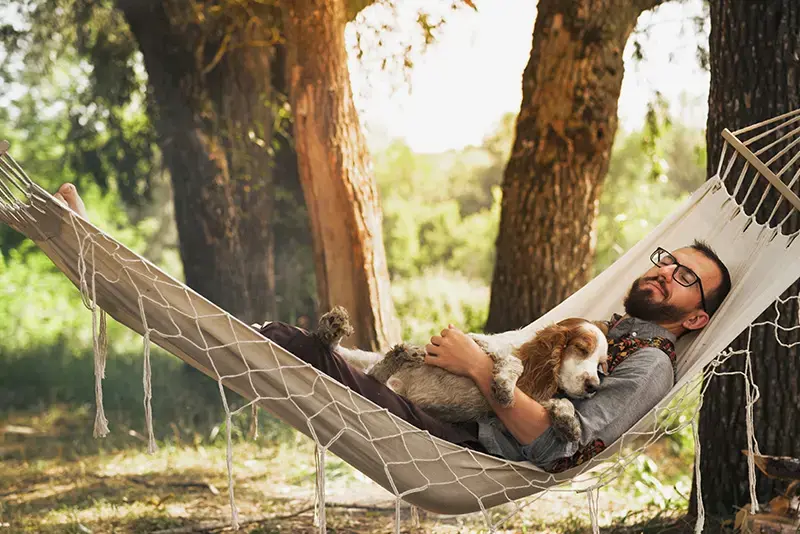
[(96, 92)]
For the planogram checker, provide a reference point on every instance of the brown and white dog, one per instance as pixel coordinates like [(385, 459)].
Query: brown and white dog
[(561, 357)]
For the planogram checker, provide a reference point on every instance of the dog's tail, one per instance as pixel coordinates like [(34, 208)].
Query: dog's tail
[(334, 326)]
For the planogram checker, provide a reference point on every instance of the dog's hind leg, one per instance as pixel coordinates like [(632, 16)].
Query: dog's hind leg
[(399, 356), (334, 326)]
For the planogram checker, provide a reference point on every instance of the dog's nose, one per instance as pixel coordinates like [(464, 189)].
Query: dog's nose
[(590, 388)]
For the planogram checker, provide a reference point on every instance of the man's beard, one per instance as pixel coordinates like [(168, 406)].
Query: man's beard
[(638, 304)]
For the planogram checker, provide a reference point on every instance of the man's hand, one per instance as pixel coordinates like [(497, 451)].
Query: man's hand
[(456, 352)]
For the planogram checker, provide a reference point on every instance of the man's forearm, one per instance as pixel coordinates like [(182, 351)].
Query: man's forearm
[(526, 419)]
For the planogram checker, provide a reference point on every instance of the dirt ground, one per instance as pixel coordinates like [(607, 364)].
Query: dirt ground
[(53, 482)]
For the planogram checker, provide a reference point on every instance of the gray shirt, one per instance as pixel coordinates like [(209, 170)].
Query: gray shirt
[(637, 384)]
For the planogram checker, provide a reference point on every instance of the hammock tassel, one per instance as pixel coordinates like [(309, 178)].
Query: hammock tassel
[(397, 520), (593, 495), (254, 421), (752, 395), (701, 512), (100, 355), (148, 395), (100, 349), (415, 517), (319, 494)]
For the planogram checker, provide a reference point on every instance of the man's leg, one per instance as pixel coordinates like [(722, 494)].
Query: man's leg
[(311, 350)]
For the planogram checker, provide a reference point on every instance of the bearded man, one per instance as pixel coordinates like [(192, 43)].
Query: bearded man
[(678, 295)]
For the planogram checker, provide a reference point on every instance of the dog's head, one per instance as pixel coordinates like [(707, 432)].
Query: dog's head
[(564, 356)]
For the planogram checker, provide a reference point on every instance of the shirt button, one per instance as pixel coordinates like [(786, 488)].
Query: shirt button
[(633, 334)]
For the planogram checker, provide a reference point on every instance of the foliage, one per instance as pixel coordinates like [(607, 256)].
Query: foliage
[(641, 189), (442, 210), (77, 59), (427, 303)]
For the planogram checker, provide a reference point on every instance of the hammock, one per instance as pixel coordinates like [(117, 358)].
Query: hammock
[(425, 471)]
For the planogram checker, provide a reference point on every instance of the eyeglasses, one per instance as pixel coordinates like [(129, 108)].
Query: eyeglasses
[(681, 274)]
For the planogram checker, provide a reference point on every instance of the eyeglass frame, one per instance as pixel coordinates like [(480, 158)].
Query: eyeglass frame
[(678, 266)]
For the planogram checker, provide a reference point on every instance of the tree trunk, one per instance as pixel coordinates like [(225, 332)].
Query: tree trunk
[(560, 157), (335, 172), (295, 282), (209, 74), (755, 75)]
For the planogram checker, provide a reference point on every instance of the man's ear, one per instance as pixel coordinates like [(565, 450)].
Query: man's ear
[(695, 321)]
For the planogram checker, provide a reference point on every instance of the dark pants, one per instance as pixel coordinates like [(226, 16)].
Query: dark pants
[(310, 349)]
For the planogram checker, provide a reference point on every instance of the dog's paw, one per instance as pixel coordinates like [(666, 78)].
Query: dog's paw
[(334, 326), (503, 393), (395, 384), (398, 357), (563, 418), (407, 354), (505, 373)]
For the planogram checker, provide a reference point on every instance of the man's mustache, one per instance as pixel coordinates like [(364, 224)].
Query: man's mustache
[(658, 280)]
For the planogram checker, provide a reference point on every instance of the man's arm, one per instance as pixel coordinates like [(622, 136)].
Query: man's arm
[(458, 353), (526, 419), (637, 385)]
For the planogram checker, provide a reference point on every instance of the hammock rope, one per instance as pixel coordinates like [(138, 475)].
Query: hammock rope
[(754, 236)]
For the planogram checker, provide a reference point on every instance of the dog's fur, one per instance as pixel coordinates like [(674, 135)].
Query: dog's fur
[(561, 357)]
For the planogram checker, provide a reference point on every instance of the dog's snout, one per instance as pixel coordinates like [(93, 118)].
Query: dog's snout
[(590, 388)]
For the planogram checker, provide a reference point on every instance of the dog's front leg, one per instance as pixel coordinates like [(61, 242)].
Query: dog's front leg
[(563, 418), (506, 369), (505, 373)]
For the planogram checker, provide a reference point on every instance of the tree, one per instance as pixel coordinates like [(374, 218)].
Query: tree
[(213, 109), (336, 172), (553, 179), (209, 70), (754, 71)]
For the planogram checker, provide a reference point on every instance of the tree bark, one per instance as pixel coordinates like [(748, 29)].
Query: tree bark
[(565, 130), (755, 75), (210, 83), (295, 282), (336, 173)]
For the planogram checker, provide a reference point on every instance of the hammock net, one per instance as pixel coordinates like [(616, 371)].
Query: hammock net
[(745, 212)]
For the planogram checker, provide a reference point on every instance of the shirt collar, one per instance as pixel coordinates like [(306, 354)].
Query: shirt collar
[(640, 329)]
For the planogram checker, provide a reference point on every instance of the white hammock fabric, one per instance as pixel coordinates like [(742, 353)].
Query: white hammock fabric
[(416, 467)]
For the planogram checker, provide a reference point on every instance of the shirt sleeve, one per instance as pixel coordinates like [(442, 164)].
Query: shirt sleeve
[(624, 397)]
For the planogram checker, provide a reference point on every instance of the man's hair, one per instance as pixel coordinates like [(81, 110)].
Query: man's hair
[(714, 298)]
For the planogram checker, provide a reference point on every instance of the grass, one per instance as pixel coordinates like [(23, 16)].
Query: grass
[(58, 479)]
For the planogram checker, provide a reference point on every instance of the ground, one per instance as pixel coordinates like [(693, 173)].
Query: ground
[(56, 478)]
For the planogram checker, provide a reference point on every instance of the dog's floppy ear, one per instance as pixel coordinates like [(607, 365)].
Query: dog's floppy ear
[(602, 325), (541, 362)]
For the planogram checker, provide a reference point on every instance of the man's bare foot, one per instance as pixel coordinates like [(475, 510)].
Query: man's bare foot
[(68, 195)]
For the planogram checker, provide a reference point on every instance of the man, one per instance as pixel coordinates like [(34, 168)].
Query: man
[(677, 295)]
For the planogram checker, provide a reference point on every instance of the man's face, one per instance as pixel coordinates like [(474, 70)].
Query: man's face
[(657, 297)]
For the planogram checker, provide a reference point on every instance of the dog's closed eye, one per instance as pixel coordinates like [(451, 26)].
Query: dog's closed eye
[(583, 347)]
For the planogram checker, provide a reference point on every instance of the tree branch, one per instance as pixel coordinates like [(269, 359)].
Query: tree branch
[(354, 7), (646, 5)]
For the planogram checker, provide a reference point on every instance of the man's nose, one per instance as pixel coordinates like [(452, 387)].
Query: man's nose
[(665, 272)]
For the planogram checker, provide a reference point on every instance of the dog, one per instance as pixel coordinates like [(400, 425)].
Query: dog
[(563, 357)]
